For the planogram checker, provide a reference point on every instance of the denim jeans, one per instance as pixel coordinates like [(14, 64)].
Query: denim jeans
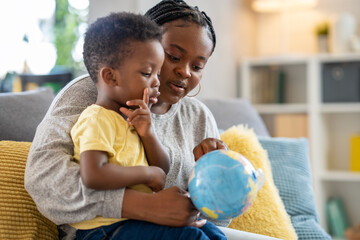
[(133, 229)]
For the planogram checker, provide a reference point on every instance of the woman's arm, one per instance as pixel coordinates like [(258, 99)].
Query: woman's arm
[(170, 207), (97, 173), (52, 178)]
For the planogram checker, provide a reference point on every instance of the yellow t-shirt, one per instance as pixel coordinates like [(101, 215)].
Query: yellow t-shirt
[(105, 130)]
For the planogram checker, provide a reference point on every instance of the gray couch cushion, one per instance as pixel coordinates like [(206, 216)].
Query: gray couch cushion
[(20, 113), (230, 112)]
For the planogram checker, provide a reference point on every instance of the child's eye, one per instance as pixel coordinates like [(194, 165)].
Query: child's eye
[(146, 74)]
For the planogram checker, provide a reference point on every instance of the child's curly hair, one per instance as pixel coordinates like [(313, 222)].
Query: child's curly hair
[(107, 39)]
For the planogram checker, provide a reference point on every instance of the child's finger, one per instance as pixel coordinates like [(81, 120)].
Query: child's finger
[(146, 96), (131, 115), (138, 118), (137, 102), (127, 112)]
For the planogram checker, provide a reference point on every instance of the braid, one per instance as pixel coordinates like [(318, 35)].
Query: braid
[(170, 10)]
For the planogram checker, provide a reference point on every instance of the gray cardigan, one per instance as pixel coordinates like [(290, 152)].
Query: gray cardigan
[(53, 179)]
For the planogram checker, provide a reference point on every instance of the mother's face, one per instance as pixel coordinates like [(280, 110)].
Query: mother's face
[(187, 48)]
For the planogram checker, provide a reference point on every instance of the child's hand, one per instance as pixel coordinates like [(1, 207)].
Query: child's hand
[(208, 145), (156, 178), (139, 118)]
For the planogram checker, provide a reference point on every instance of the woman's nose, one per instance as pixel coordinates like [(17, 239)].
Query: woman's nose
[(183, 71)]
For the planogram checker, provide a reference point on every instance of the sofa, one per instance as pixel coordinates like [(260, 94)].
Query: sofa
[(22, 112)]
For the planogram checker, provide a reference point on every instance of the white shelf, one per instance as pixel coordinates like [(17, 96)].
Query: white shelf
[(281, 108), (340, 176), (339, 57), (277, 60), (340, 107), (302, 59), (330, 125)]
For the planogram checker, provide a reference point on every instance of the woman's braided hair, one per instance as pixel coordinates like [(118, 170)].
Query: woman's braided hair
[(170, 10)]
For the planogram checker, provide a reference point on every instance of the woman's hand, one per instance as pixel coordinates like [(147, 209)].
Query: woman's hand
[(208, 145), (170, 207)]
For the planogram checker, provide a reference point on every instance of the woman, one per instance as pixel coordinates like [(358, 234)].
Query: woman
[(184, 126)]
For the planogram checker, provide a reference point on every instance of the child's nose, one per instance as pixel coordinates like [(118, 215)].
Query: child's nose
[(156, 82)]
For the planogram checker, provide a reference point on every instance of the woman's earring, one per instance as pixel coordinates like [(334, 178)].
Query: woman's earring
[(197, 92)]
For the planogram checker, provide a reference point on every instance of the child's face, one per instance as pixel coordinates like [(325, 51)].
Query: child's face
[(139, 71)]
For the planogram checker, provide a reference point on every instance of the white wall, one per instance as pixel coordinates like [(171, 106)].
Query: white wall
[(219, 80), (100, 8), (300, 25), (242, 33)]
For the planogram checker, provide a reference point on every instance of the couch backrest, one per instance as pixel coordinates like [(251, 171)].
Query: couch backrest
[(21, 113), (230, 112)]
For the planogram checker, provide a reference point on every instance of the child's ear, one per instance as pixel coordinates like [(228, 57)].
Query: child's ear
[(108, 75)]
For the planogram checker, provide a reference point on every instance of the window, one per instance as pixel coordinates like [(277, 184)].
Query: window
[(42, 36)]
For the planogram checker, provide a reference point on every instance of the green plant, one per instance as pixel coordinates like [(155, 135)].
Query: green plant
[(322, 29), (66, 34)]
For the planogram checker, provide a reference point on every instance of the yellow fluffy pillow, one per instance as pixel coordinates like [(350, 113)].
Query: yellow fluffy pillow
[(267, 216), (19, 217)]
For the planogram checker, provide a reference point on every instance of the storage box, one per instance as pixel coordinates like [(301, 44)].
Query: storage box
[(341, 82)]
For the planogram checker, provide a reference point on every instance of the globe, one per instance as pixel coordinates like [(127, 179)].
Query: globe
[(224, 184)]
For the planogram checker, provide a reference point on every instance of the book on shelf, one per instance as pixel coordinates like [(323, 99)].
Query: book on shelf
[(355, 153), (267, 85), (336, 217), (278, 85)]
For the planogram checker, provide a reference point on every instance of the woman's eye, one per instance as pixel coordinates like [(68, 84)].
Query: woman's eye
[(172, 58), (197, 68)]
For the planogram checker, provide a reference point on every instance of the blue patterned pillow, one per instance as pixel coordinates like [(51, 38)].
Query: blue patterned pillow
[(290, 165)]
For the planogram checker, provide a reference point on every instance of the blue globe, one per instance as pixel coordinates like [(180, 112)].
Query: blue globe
[(224, 184)]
